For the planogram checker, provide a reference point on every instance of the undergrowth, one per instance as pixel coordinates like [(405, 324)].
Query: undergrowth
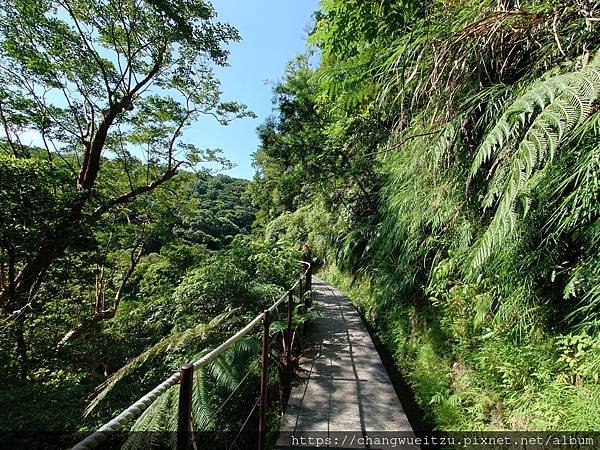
[(467, 377)]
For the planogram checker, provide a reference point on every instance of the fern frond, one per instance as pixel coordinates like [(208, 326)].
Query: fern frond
[(533, 129), (578, 190), (571, 94), (172, 343), (202, 406), (150, 426)]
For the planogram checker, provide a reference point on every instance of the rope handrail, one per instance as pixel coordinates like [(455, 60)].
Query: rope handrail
[(137, 408)]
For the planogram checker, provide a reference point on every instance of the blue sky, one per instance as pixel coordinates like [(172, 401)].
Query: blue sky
[(273, 32)]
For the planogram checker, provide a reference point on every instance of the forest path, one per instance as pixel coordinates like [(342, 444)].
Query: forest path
[(344, 392)]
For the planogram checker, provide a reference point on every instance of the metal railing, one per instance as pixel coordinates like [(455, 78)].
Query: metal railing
[(185, 375)]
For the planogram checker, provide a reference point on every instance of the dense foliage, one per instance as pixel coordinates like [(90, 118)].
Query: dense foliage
[(442, 162), (147, 281), (223, 211), (122, 255)]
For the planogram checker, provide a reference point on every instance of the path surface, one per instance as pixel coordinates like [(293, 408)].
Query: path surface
[(343, 385)]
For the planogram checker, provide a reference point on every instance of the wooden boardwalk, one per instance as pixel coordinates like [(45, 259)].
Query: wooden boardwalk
[(343, 385)]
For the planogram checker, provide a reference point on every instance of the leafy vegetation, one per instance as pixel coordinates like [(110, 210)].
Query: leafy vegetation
[(441, 163), (122, 255), (130, 307)]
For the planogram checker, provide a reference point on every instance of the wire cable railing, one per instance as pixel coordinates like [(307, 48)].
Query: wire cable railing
[(184, 376), (243, 427), (214, 415)]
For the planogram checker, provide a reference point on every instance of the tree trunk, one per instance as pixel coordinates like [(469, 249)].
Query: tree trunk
[(22, 285), (11, 277), (3, 280), (101, 313)]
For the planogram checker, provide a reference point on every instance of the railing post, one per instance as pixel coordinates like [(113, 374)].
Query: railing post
[(263, 382), (301, 294), (301, 284), (309, 284), (184, 432), (287, 352)]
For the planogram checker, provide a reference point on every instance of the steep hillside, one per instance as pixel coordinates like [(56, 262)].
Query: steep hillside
[(442, 161)]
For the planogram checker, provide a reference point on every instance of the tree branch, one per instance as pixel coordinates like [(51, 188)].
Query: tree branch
[(125, 198), (101, 313), (93, 52)]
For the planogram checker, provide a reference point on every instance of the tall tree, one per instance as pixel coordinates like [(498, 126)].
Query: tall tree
[(88, 81), (89, 78)]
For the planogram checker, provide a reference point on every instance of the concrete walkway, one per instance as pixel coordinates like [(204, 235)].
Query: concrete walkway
[(343, 385)]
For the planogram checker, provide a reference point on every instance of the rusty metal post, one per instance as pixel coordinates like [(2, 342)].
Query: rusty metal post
[(301, 284), (309, 284), (287, 352), (301, 294), (305, 281), (262, 422), (184, 432), (310, 280)]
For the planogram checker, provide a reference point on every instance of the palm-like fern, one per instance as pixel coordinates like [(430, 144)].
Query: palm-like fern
[(576, 214), (223, 374), (578, 191), (170, 344), (525, 138), (158, 417)]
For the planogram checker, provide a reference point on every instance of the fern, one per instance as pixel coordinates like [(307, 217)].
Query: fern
[(154, 421), (171, 344), (211, 382), (527, 137), (575, 206), (578, 192), (225, 373)]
